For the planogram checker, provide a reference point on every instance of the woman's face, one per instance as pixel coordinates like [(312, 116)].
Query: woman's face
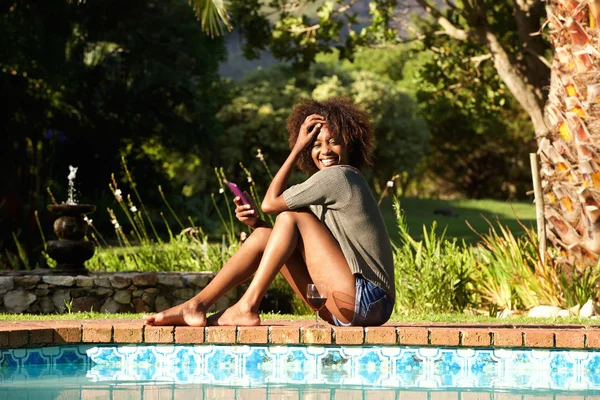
[(327, 150)]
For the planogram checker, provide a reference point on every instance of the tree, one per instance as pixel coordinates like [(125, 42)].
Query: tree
[(91, 81), (570, 154), (508, 34)]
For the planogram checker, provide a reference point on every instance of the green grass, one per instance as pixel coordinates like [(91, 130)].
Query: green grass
[(417, 318), (420, 212), (66, 317)]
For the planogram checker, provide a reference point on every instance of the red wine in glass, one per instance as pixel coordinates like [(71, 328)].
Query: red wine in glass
[(316, 295)]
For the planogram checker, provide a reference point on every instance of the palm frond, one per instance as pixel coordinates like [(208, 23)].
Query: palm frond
[(213, 16)]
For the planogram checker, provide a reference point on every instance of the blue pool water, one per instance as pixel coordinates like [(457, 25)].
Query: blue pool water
[(295, 372)]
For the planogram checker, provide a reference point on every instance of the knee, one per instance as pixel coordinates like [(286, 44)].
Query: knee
[(261, 235), (286, 217)]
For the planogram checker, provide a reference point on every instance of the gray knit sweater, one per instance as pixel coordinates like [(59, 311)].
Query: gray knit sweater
[(341, 198)]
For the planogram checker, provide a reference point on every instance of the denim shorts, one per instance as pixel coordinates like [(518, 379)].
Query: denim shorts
[(373, 306)]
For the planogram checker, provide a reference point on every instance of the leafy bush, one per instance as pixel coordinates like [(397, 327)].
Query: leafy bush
[(187, 252), (433, 274), (510, 272), (580, 285)]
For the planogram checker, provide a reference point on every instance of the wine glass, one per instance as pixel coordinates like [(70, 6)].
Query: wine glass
[(316, 295)]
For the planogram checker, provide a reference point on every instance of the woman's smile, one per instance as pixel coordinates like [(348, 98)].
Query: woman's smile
[(328, 150)]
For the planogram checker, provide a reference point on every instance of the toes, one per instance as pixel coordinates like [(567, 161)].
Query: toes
[(152, 319), (148, 319)]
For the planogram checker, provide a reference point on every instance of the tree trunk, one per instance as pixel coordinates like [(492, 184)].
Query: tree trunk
[(524, 92), (570, 154)]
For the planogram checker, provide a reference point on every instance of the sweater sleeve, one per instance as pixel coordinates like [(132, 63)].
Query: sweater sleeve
[(328, 187)]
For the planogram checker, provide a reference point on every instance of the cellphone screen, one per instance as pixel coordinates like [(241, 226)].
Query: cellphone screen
[(237, 192)]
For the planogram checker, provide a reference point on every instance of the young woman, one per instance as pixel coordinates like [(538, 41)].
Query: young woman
[(328, 229)]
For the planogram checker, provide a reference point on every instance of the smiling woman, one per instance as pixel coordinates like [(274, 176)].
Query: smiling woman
[(329, 230)]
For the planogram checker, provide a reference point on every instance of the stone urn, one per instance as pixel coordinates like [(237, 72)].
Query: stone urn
[(70, 250)]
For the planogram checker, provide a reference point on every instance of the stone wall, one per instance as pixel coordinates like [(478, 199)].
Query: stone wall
[(41, 292)]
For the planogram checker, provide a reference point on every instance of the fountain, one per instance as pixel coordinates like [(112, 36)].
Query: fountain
[(70, 250)]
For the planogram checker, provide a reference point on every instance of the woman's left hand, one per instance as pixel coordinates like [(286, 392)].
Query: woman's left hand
[(308, 130)]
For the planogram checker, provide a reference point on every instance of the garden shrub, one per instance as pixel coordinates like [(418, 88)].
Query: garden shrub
[(433, 274)]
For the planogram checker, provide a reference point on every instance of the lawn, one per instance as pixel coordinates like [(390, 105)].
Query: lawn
[(421, 212), (396, 318)]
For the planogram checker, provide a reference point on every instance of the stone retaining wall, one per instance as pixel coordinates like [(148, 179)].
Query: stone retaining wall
[(41, 292)]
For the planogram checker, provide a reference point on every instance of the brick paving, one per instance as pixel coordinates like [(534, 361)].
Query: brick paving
[(43, 333)]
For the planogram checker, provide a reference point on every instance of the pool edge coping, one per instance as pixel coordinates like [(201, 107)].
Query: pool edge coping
[(18, 334)]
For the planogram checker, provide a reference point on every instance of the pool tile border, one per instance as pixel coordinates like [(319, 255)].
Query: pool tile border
[(42, 333)]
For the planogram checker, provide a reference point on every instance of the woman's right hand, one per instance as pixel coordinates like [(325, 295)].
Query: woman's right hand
[(247, 213), (308, 131)]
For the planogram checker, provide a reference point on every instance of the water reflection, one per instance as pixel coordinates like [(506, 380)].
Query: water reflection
[(207, 392)]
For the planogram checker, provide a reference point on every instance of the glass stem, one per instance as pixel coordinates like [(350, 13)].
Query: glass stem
[(317, 317)]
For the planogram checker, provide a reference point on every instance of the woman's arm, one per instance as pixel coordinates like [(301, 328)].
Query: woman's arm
[(273, 201)]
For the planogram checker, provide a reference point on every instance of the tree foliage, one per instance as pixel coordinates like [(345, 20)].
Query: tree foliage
[(88, 82), (255, 117)]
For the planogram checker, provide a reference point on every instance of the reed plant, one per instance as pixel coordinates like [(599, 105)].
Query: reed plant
[(433, 274), (512, 274), (580, 284), (141, 248)]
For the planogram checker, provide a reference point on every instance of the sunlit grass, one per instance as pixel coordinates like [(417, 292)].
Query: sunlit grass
[(417, 318), (421, 212)]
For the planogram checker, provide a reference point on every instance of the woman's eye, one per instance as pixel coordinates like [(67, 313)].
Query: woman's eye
[(316, 145)]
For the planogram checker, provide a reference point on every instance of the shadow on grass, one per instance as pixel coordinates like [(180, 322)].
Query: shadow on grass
[(453, 215)]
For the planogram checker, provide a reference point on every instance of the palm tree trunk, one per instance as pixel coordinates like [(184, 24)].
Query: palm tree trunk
[(570, 153)]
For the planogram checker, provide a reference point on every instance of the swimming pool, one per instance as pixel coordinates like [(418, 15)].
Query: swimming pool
[(295, 371)]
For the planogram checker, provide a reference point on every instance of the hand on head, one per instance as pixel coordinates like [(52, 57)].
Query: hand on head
[(309, 130)]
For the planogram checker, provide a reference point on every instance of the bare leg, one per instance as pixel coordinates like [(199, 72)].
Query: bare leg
[(238, 269), (324, 262)]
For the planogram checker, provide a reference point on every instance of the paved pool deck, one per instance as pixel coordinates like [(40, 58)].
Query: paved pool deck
[(277, 332)]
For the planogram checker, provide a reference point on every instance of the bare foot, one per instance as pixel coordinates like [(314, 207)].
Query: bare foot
[(189, 313), (234, 316)]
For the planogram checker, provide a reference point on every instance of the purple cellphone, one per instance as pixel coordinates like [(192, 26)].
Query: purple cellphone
[(237, 192)]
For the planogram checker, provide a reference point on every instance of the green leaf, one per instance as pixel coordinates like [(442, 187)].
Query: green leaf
[(212, 15)]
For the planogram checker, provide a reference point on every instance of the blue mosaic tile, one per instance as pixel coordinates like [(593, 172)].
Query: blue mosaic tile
[(8, 361), (448, 361), (102, 355), (297, 358), (144, 356), (333, 357), (69, 356), (561, 378), (448, 367), (183, 372), (256, 363), (221, 364), (370, 366), (559, 362), (255, 366), (408, 361), (185, 357), (592, 367), (483, 363), (520, 359), (35, 358), (220, 358)]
